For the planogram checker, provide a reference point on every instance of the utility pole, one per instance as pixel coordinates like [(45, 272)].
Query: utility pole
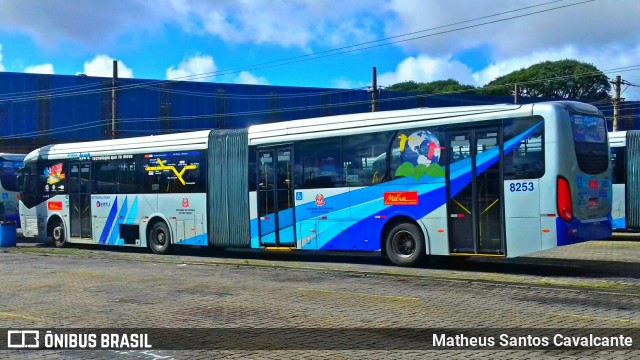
[(114, 83), (374, 91), (616, 102), (516, 93)]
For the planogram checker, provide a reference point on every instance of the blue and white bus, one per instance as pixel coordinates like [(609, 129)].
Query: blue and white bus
[(498, 180), (10, 164), (625, 159)]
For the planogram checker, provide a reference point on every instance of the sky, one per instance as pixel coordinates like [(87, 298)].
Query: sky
[(318, 43)]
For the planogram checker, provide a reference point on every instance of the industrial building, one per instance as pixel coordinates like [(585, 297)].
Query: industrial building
[(37, 110)]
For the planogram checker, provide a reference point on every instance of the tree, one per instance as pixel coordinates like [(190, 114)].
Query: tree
[(434, 87), (564, 79)]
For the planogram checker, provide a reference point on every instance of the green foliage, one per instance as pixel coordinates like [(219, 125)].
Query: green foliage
[(435, 170), (418, 171), (564, 79), (434, 87), (407, 169), (556, 79)]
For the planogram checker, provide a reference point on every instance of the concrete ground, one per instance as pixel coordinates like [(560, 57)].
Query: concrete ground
[(595, 285)]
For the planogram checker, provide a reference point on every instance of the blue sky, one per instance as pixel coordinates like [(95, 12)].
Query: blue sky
[(234, 41)]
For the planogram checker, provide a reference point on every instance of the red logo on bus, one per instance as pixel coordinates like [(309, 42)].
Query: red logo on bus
[(185, 202), (54, 205), (319, 200), (593, 184), (401, 198)]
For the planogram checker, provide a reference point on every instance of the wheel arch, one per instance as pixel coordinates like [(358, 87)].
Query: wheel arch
[(51, 220), (154, 219), (399, 219)]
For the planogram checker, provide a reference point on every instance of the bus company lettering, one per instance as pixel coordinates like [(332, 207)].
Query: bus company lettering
[(54, 205), (401, 198), (103, 204)]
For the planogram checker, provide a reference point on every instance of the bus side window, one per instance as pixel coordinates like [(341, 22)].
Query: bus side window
[(526, 160), (365, 159), (321, 163)]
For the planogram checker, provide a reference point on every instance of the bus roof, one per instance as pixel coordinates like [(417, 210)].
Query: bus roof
[(147, 144), (285, 131), (392, 120)]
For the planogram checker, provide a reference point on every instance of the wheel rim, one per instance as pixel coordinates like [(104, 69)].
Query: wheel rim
[(159, 237), (57, 234), (403, 244)]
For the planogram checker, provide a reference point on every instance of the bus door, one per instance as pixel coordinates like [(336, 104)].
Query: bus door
[(474, 192), (80, 199), (275, 196)]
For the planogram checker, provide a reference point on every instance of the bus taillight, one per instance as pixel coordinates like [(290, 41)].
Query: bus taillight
[(565, 206)]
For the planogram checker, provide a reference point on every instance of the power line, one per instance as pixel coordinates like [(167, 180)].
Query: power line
[(332, 52), (412, 95)]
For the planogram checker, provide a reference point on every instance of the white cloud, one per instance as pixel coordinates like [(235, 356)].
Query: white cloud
[(344, 83), (426, 69), (581, 25), (290, 23), (282, 22), (40, 69), (195, 65), (1, 66), (247, 78), (102, 65), (91, 23)]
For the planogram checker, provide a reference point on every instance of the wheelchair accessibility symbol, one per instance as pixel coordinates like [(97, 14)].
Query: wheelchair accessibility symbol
[(298, 195)]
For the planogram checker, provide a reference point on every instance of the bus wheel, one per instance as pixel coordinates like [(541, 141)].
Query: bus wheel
[(57, 234), (405, 244), (160, 238)]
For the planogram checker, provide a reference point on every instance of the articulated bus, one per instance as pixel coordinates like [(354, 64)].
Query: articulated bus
[(10, 164), (497, 180), (625, 159)]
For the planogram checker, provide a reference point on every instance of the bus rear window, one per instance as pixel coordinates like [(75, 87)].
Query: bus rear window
[(590, 140), (588, 129)]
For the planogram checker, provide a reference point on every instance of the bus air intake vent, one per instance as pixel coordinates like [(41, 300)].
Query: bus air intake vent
[(228, 188)]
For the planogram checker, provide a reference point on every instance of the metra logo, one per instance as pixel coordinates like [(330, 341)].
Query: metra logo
[(401, 198), (54, 205), (100, 204)]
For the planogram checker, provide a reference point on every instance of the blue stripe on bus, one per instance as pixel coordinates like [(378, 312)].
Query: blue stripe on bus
[(429, 199), (576, 231), (620, 223), (369, 201), (107, 226), (115, 233), (195, 240), (133, 213)]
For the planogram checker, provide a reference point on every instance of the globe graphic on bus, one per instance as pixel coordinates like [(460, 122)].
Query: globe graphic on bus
[(422, 147)]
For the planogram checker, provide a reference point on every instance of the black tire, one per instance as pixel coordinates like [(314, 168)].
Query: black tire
[(57, 234), (405, 245), (160, 238)]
